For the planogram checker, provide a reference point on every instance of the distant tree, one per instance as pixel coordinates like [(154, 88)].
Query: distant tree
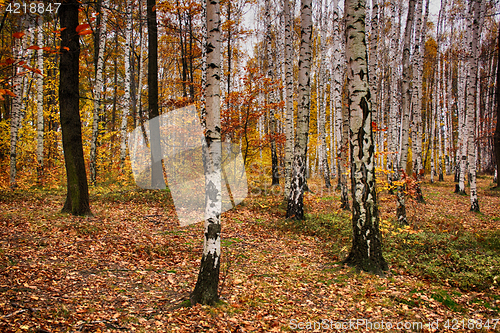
[(497, 129), (405, 110), (39, 101), (99, 44), (366, 251), (128, 73), (16, 111), (206, 289), (157, 179), (295, 208), (77, 198)]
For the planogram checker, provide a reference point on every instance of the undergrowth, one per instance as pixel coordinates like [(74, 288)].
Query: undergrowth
[(467, 260)]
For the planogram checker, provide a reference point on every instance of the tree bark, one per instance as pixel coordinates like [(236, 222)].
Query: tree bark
[(295, 207), (15, 114), (471, 91), (366, 251), (98, 92), (39, 102), (289, 97), (496, 136), (405, 109), (128, 73), (157, 179), (206, 289), (77, 199)]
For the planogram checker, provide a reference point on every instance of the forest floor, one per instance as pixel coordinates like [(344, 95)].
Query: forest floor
[(130, 267)]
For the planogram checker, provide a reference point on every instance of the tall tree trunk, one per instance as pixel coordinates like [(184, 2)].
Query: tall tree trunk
[(157, 180), (289, 97), (394, 104), (462, 136), (366, 251), (15, 114), (418, 68), (98, 92), (206, 289), (405, 109), (475, 12), (39, 102), (128, 73), (270, 97), (295, 208), (344, 156), (322, 153), (336, 107), (496, 136), (77, 199)]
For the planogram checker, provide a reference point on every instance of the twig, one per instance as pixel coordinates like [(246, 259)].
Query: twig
[(108, 323), (15, 313)]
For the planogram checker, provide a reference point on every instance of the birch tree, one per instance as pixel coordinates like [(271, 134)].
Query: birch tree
[(127, 104), (473, 27), (206, 289), (366, 251), (496, 135), (322, 153), (39, 101), (295, 207), (15, 116), (100, 39), (405, 109), (289, 96), (270, 96)]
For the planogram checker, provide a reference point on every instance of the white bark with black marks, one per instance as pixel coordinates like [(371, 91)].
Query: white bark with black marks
[(295, 208)]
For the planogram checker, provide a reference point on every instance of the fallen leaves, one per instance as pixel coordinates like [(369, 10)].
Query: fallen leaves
[(124, 269)]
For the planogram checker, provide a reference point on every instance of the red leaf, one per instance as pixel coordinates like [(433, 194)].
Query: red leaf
[(18, 34), (82, 27), (85, 32), (46, 48), (34, 47)]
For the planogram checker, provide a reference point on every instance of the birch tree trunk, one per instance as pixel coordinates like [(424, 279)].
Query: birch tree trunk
[(344, 157), (295, 207), (322, 155), (15, 115), (39, 102), (418, 68), (98, 92), (275, 180), (206, 289), (289, 97), (496, 135), (462, 127), (366, 251), (475, 12), (337, 106), (128, 73), (393, 108), (405, 109)]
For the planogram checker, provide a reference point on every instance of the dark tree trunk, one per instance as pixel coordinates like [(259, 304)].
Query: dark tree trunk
[(157, 180), (77, 199)]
